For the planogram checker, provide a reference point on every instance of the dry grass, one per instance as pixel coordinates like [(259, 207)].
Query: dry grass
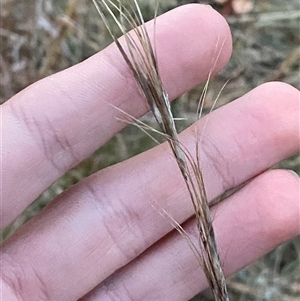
[(266, 45), (141, 59)]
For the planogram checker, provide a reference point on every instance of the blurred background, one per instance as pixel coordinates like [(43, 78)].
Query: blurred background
[(41, 37)]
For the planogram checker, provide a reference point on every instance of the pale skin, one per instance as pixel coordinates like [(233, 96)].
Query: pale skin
[(72, 249)]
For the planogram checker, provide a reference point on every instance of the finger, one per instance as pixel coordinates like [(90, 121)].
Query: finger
[(107, 220), (249, 224), (57, 122)]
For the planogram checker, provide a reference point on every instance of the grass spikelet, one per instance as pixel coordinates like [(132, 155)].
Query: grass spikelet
[(141, 58)]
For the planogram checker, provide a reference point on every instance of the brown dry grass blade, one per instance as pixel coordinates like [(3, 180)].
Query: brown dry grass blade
[(141, 59)]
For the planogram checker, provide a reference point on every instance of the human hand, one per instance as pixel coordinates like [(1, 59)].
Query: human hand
[(88, 242)]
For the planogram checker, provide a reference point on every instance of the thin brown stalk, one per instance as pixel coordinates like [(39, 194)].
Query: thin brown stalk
[(141, 59)]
